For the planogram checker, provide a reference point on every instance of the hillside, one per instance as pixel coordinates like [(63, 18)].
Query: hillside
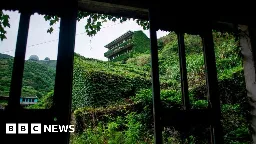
[(131, 121), (4, 56), (38, 79), (112, 101), (50, 63)]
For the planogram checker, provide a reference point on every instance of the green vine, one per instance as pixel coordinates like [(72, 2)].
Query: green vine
[(141, 44), (109, 52), (4, 23), (93, 25)]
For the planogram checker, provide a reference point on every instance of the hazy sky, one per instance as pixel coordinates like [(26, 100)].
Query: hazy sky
[(43, 44)]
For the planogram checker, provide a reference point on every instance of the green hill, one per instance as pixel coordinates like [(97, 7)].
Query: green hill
[(38, 79), (4, 56), (131, 122), (112, 102), (50, 63), (98, 83)]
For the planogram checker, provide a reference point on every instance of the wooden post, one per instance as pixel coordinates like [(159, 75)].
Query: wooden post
[(19, 61), (212, 87), (183, 71), (184, 83), (64, 70), (155, 80)]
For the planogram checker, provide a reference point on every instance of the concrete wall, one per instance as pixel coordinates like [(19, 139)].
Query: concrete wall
[(249, 73)]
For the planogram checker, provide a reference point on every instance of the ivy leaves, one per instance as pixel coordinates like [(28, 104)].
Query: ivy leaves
[(94, 21), (4, 22), (52, 20), (143, 23), (93, 25)]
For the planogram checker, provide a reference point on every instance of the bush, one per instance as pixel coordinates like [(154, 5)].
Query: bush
[(47, 59), (45, 103), (126, 129), (34, 58), (141, 60), (38, 79), (100, 84), (89, 117)]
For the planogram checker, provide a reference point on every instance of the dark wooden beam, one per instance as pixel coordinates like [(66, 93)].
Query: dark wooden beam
[(187, 20), (19, 61), (64, 69), (155, 79), (183, 71), (212, 86), (185, 119), (184, 83)]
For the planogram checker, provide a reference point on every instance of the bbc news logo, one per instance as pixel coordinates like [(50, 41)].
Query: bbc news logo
[(36, 128)]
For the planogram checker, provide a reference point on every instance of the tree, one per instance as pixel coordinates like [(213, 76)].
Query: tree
[(93, 25), (47, 59), (34, 58), (4, 23)]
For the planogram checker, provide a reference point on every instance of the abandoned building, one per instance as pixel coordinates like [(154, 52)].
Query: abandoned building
[(24, 100), (182, 17), (28, 100), (126, 43)]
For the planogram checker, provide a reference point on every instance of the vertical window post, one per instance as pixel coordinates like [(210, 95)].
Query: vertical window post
[(212, 86), (64, 70), (183, 71), (19, 61), (184, 82), (155, 79)]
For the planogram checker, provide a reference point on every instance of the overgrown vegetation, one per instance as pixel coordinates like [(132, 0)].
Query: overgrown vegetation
[(38, 79), (112, 101), (93, 25), (102, 125), (98, 83), (141, 44)]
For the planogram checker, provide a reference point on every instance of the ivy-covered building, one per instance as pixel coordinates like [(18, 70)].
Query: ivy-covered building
[(126, 45)]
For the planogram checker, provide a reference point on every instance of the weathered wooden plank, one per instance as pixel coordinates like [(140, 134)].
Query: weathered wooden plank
[(180, 118), (155, 79), (19, 61), (64, 69), (212, 86), (183, 71)]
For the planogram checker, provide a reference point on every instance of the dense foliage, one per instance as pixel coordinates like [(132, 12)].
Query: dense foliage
[(4, 23), (34, 58), (50, 63), (38, 79), (93, 25), (98, 83), (3, 56), (45, 102), (141, 44), (104, 123), (112, 102), (95, 21)]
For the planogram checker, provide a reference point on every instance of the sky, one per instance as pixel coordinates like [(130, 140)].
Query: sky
[(43, 44)]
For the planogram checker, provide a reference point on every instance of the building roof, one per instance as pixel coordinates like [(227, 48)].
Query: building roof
[(125, 35), (21, 97), (29, 97)]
